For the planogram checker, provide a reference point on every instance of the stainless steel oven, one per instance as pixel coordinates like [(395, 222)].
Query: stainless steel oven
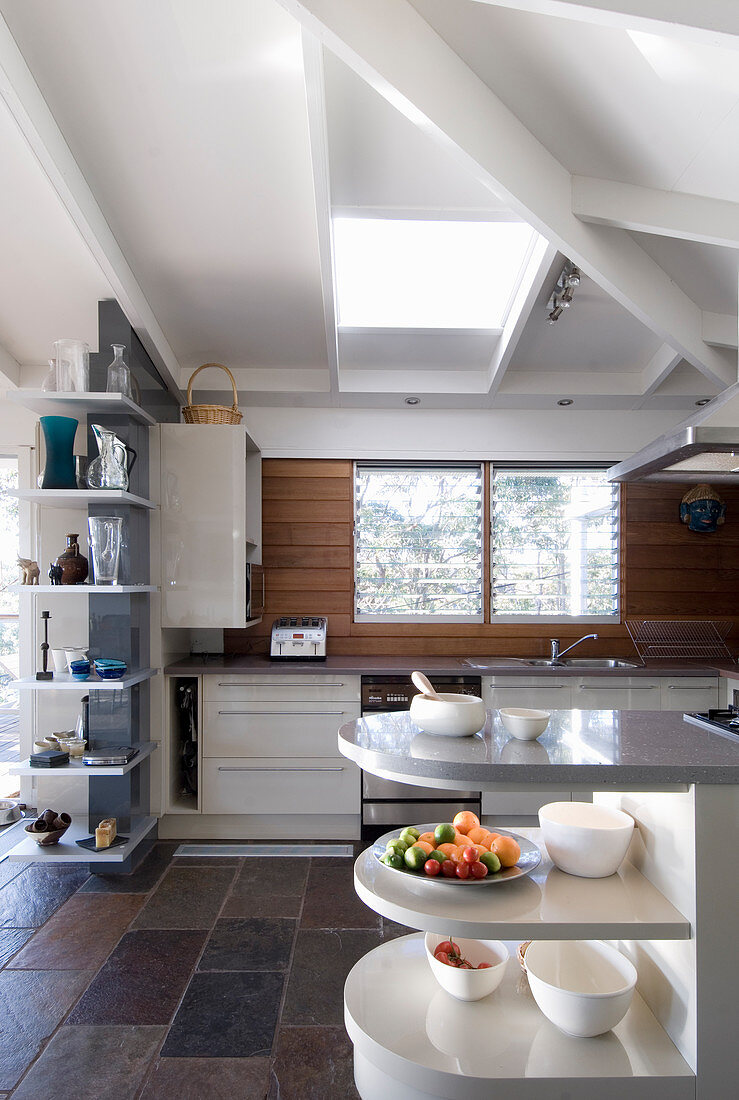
[(386, 803)]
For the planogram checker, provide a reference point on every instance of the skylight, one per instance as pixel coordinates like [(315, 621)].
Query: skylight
[(427, 274)]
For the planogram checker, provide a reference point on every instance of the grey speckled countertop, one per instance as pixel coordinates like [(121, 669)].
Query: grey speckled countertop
[(455, 666), (599, 747)]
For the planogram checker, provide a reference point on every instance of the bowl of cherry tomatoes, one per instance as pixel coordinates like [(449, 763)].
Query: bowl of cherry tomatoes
[(468, 969)]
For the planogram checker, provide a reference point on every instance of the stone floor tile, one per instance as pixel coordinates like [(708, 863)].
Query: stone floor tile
[(140, 881), (92, 1063), (226, 1015), (390, 930), (214, 1078), (321, 962), (250, 943), (270, 906), (81, 934), (32, 1004), (31, 897), (312, 1063), (143, 980), (187, 898), (330, 898), (11, 940), (263, 876)]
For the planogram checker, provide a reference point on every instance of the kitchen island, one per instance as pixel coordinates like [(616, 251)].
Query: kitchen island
[(671, 908)]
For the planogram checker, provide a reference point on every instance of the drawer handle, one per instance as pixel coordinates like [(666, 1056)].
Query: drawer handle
[(532, 687), (297, 713), (608, 687), (222, 769), (276, 680), (692, 687)]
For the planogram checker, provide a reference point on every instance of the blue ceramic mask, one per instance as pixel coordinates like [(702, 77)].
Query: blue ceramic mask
[(703, 516)]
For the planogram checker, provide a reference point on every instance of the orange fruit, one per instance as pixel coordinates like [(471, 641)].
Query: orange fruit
[(478, 835), (448, 849), (460, 838), (507, 850), (428, 848), (427, 838), (465, 820)]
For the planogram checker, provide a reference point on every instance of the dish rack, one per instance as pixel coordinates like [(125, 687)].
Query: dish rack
[(696, 638)]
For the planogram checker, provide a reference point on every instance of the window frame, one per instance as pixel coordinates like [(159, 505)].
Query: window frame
[(561, 467), (360, 619)]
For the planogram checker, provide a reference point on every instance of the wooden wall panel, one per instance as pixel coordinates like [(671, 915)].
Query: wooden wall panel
[(666, 571)]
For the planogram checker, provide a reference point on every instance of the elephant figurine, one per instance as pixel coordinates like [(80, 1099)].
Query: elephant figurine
[(30, 570)]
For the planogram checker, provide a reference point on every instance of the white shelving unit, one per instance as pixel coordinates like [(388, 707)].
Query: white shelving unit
[(85, 589), (79, 404), (80, 498), (75, 765), (64, 681), (68, 851)]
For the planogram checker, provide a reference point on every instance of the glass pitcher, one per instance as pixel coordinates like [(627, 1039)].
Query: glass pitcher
[(119, 375), (111, 468)]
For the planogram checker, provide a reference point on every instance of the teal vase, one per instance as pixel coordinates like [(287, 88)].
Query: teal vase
[(59, 433)]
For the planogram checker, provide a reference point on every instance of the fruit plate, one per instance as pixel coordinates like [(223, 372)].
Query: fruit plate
[(529, 860)]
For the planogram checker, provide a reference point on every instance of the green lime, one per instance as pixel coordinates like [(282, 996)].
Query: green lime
[(415, 858), (438, 856), (491, 861), (445, 833), (394, 860), (410, 835), (397, 845)]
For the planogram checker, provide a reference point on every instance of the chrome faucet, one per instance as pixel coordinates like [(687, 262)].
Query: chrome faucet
[(556, 656)]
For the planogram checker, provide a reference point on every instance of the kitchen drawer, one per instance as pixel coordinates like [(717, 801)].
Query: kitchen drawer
[(513, 803), (279, 688), (551, 692), (690, 693), (258, 729), (609, 693), (304, 785)]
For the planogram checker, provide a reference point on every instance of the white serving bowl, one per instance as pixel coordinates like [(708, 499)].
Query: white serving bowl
[(469, 985), (524, 724), (449, 715), (583, 986), (584, 838)]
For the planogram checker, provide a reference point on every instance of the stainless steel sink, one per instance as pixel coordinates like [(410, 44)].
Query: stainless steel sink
[(581, 662)]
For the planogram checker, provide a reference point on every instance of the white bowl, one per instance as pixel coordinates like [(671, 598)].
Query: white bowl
[(449, 715), (583, 986), (584, 838), (469, 985), (524, 724)]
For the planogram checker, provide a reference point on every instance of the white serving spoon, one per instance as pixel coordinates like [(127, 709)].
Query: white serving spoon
[(425, 686)]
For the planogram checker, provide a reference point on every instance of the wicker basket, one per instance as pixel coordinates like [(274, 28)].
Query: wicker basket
[(211, 414)]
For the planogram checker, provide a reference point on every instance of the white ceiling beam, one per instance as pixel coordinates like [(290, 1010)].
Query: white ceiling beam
[(391, 47), (659, 367), (37, 124), (537, 269), (721, 330), (666, 213), (10, 370), (315, 89), (572, 383), (708, 22)]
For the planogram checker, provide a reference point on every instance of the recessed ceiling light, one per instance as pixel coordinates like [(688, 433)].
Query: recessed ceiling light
[(565, 401), (703, 401), (413, 400)]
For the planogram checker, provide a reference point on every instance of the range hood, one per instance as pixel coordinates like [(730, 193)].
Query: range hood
[(703, 448)]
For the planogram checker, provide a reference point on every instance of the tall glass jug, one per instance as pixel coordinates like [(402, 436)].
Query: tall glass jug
[(72, 359), (111, 468), (105, 544)]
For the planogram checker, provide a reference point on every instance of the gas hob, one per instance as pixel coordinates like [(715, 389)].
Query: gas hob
[(725, 722)]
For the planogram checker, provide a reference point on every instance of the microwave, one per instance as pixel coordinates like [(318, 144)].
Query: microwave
[(254, 591)]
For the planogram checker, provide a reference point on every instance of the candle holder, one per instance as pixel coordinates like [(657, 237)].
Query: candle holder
[(45, 674)]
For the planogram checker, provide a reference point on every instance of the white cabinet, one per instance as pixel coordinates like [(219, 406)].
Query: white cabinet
[(689, 693), (609, 693), (548, 692), (211, 522), (267, 785)]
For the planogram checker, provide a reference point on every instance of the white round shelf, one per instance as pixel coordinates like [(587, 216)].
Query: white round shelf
[(548, 904), (412, 1041)]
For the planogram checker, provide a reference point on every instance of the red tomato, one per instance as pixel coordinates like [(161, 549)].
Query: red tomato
[(449, 868), (478, 870), (463, 870), (483, 966), (433, 867), (442, 956), (466, 966), (470, 855), (449, 946)]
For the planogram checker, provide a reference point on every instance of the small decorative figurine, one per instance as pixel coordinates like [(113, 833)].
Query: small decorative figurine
[(703, 509), (55, 573), (45, 674), (30, 571)]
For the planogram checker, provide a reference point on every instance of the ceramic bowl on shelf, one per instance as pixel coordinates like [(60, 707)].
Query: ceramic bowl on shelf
[(448, 714), (80, 670), (109, 669), (469, 985), (48, 829), (523, 723), (584, 987), (585, 838), (10, 811)]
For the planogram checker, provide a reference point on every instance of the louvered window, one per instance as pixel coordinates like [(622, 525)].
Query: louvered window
[(554, 544), (418, 543)]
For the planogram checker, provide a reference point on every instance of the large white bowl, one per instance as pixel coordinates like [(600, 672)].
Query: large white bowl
[(583, 986), (449, 715), (469, 985), (584, 838), (523, 723)]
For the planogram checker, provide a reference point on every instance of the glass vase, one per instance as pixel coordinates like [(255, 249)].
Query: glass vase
[(105, 544), (59, 433), (119, 375), (72, 366)]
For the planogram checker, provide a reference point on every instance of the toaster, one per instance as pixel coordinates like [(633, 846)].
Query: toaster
[(299, 638)]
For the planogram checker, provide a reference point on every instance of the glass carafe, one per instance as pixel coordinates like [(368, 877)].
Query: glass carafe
[(119, 375), (111, 468), (105, 544)]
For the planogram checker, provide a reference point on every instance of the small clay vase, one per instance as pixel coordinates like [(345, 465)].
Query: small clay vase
[(73, 564)]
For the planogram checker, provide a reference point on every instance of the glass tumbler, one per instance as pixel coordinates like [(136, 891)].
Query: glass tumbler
[(105, 544), (72, 366)]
